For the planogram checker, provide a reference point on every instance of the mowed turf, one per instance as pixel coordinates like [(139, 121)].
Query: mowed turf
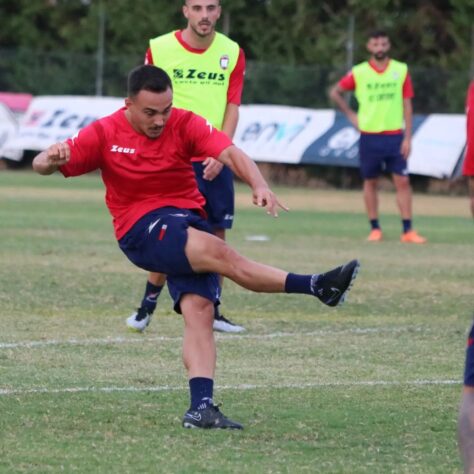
[(372, 386)]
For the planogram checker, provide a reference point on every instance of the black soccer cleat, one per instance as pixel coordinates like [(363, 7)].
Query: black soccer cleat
[(332, 287), (208, 418)]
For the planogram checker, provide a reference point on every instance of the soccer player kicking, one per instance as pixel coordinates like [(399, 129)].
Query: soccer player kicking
[(466, 411), (144, 153)]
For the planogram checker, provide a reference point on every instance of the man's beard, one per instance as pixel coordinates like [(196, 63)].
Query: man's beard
[(380, 55)]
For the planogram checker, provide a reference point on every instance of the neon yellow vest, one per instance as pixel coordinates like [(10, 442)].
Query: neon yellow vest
[(200, 81), (380, 96)]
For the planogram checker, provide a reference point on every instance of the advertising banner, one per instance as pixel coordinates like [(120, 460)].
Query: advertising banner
[(51, 119)]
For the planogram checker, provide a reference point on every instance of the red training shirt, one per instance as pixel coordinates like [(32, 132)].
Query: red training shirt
[(468, 165), (141, 174)]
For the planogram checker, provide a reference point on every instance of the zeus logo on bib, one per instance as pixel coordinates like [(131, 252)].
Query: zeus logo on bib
[(197, 75)]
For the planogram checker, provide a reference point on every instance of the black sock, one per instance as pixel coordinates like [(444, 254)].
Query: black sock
[(201, 390), (406, 223), (374, 224), (151, 295), (299, 283)]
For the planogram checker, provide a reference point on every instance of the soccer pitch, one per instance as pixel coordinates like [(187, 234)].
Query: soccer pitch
[(371, 387)]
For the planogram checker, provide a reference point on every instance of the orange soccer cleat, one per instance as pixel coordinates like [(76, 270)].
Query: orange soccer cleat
[(375, 235), (412, 237)]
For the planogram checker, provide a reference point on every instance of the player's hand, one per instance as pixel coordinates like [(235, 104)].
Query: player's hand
[(405, 148), (212, 168), (264, 197), (58, 154)]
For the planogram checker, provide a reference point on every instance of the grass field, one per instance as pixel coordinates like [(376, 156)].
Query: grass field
[(371, 387)]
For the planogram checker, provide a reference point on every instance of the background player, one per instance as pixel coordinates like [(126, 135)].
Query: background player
[(468, 165), (207, 70), (384, 91)]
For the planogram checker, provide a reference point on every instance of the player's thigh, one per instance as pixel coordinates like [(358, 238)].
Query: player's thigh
[(207, 253), (370, 156)]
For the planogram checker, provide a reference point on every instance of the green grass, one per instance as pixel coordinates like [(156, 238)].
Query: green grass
[(371, 387)]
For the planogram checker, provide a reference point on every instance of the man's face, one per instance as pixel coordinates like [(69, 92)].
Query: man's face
[(202, 15), (149, 111), (379, 47)]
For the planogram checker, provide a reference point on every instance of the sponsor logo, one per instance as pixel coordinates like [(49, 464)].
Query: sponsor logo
[(152, 225), (121, 149), (224, 62), (194, 416), (196, 75)]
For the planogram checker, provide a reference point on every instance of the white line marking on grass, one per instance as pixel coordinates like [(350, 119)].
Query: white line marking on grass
[(170, 388), (130, 340)]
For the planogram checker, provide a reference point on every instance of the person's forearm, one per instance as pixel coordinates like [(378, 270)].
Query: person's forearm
[(243, 167), (231, 118), (339, 100), (408, 118), (42, 165)]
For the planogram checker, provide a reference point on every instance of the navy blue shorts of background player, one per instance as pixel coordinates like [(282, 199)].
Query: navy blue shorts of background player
[(219, 194), (156, 243), (381, 153), (469, 365)]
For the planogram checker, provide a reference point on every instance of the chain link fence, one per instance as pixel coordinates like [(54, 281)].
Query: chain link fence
[(65, 73)]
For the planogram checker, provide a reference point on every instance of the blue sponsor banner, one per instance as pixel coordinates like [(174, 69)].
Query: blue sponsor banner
[(339, 146)]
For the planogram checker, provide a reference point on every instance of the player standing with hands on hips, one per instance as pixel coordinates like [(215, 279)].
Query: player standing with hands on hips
[(159, 218), (207, 71), (383, 90)]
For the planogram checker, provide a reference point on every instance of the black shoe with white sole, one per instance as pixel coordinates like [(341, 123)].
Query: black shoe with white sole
[(331, 287), (209, 418)]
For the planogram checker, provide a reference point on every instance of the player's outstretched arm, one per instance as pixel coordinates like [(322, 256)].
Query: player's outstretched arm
[(48, 161), (247, 171)]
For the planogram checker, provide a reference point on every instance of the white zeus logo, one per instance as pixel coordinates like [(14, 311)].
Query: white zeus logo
[(121, 149)]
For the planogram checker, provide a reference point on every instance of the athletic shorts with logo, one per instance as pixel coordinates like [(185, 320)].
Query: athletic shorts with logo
[(156, 243), (381, 153), (469, 366), (219, 194)]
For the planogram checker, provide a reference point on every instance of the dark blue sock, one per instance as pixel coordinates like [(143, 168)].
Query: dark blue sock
[(374, 224), (406, 223), (201, 390), (298, 284), (469, 367), (151, 295)]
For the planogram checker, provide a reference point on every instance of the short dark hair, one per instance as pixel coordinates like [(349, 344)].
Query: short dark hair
[(378, 34), (148, 78)]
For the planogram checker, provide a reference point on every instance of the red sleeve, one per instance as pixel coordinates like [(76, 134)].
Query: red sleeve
[(468, 165), (408, 92), (347, 82), (204, 139), (85, 152), (236, 81), (148, 57)]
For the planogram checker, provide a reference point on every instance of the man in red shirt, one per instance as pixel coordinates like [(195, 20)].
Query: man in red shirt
[(144, 152), (384, 91), (468, 166)]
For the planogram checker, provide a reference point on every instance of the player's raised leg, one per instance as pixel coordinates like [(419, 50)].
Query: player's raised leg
[(207, 253)]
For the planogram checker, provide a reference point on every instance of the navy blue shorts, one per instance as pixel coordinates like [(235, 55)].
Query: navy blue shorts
[(469, 366), (219, 194), (381, 153), (156, 243)]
